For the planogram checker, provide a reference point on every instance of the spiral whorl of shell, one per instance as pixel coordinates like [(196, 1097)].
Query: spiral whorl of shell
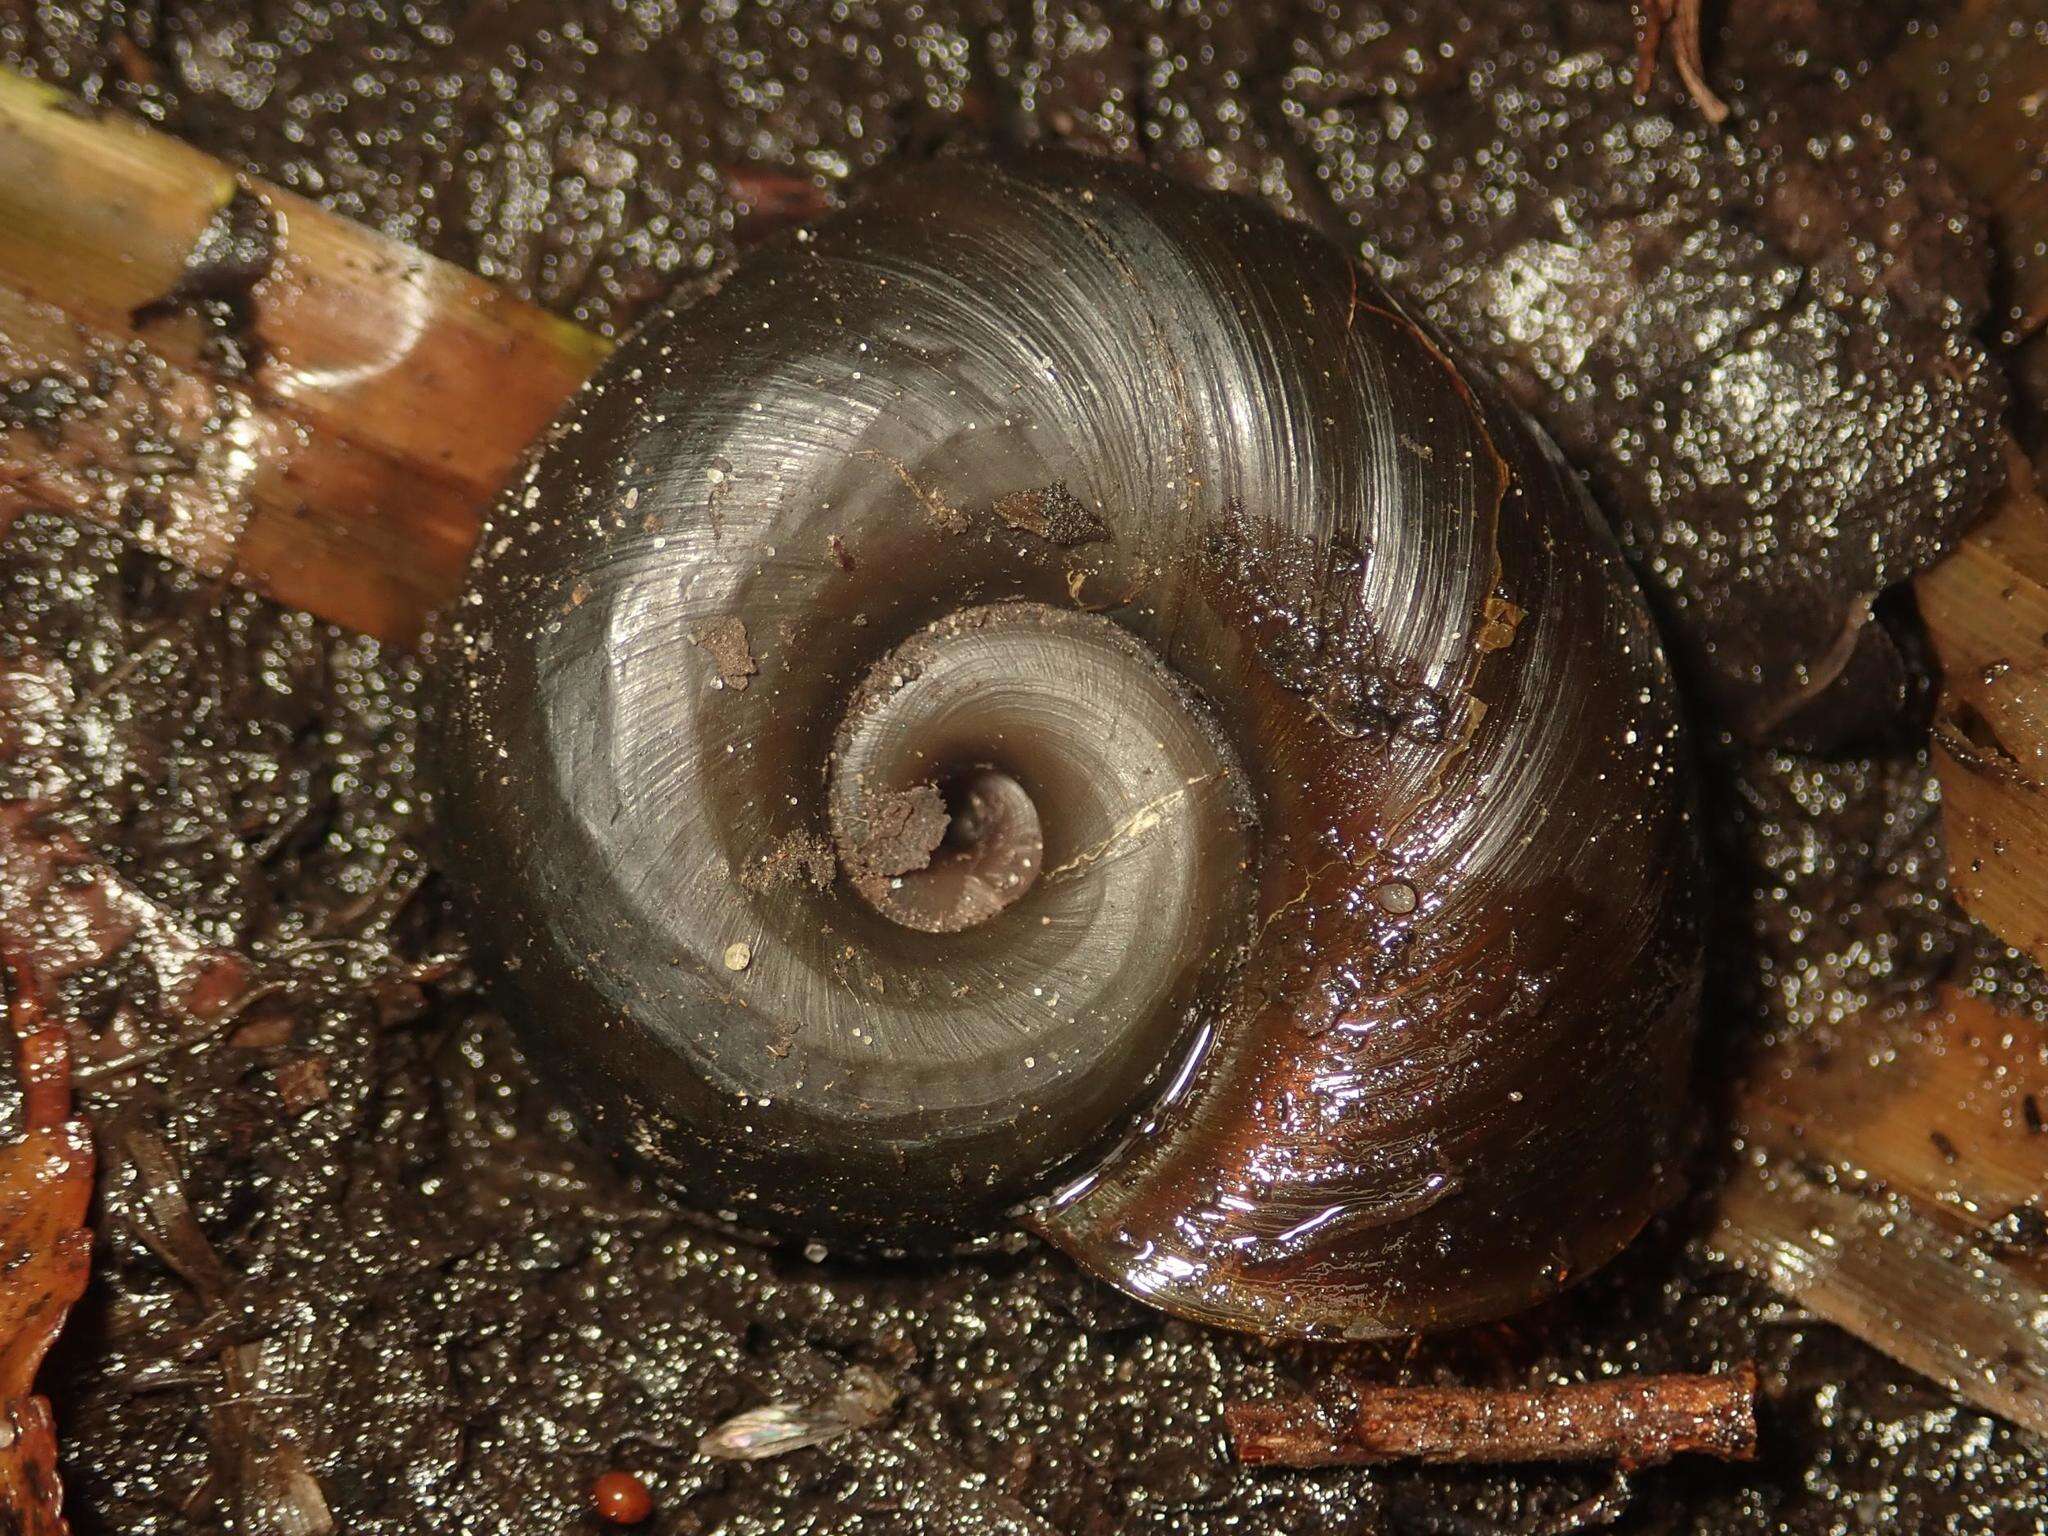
[(1048, 692)]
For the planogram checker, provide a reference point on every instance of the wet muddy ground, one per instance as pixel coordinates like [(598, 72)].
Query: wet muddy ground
[(349, 1240)]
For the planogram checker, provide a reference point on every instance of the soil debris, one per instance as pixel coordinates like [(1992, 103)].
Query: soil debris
[(726, 641), (896, 831), (1052, 513), (1299, 600), (801, 858)]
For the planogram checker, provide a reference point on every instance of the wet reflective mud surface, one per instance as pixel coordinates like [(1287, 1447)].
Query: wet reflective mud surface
[(347, 1235)]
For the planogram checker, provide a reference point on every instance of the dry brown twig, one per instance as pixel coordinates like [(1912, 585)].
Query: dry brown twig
[(1678, 23), (1635, 1421)]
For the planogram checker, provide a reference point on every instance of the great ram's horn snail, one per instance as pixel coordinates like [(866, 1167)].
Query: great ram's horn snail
[(1048, 699)]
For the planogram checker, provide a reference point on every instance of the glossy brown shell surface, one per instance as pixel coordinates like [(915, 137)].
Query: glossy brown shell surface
[(1333, 966)]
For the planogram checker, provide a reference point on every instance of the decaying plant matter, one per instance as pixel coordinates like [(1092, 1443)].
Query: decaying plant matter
[(45, 1251), (1978, 82), (1986, 609), (1894, 1186), (268, 419)]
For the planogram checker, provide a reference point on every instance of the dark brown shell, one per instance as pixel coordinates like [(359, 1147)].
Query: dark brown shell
[(1047, 696)]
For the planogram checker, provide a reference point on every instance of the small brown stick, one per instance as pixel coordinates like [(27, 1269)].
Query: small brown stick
[(1679, 20), (1636, 1422)]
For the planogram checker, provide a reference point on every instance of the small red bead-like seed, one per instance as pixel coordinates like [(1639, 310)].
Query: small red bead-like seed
[(621, 1498)]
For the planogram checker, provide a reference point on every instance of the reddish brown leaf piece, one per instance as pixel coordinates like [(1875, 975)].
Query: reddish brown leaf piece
[(45, 1254)]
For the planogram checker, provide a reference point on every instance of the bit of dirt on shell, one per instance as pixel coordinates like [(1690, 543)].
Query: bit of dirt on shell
[(896, 831), (1052, 513), (726, 641), (801, 858)]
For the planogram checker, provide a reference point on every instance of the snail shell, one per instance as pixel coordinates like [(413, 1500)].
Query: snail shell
[(1048, 699)]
